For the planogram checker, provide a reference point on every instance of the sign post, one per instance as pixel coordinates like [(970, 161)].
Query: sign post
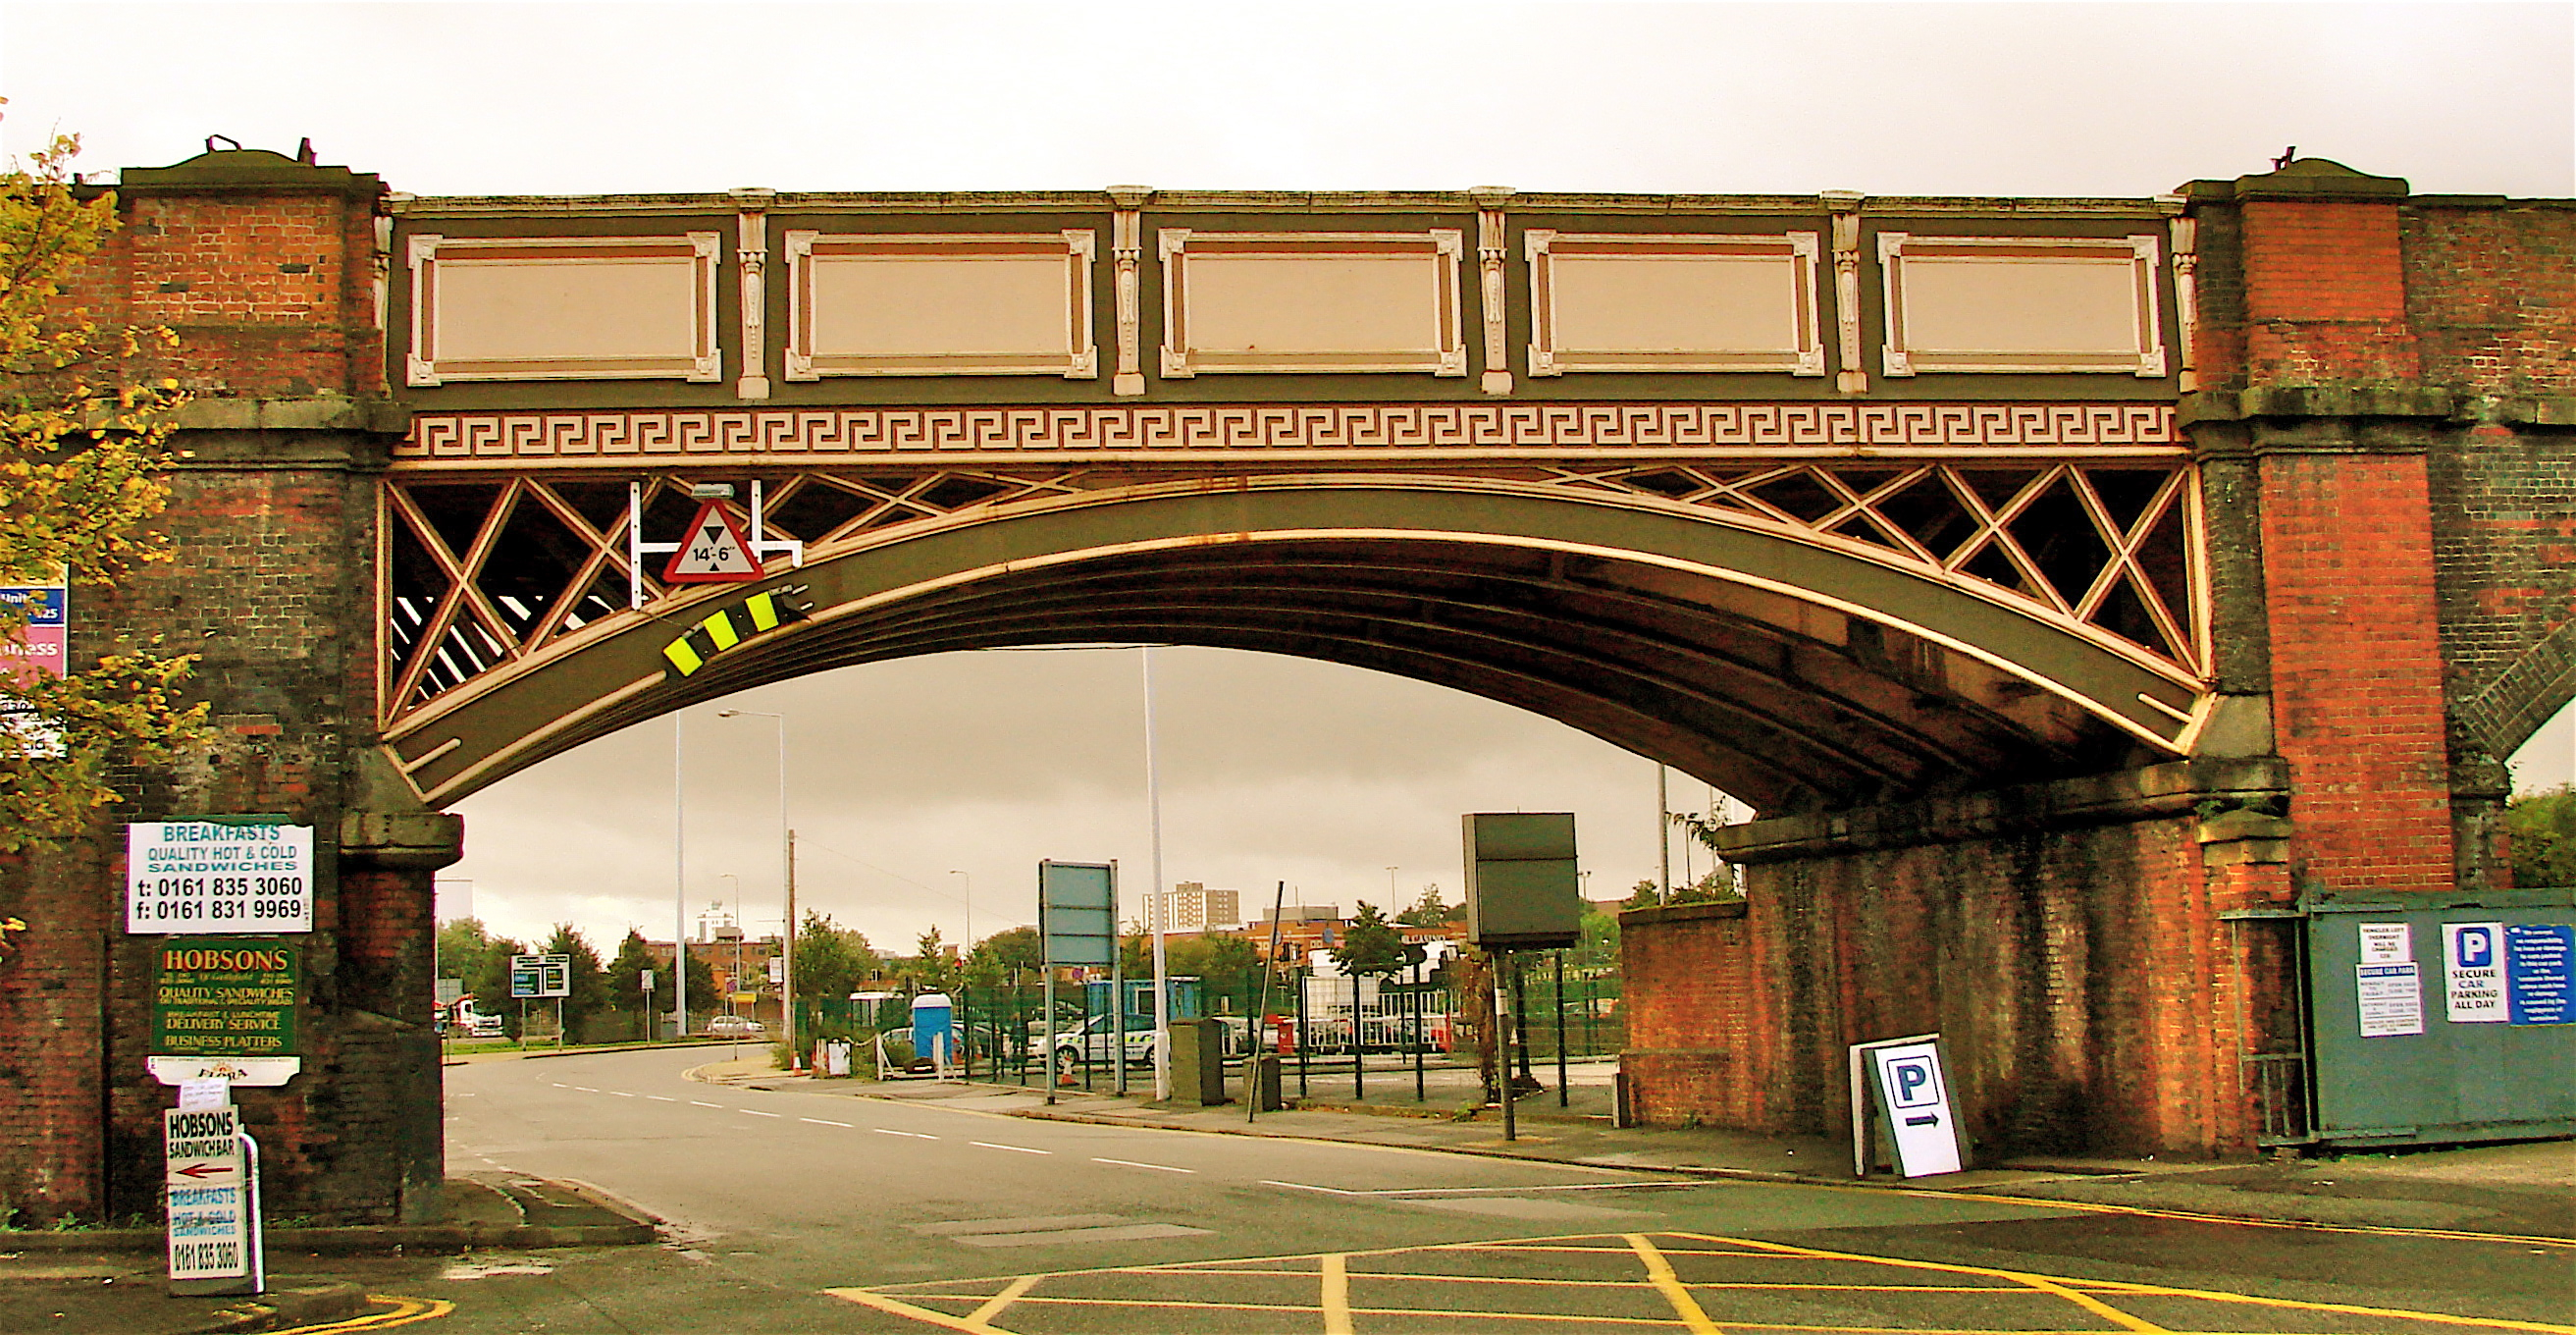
[(647, 981), (212, 1175), (1078, 924)]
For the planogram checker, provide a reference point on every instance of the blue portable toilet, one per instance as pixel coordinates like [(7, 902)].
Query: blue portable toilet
[(934, 1027)]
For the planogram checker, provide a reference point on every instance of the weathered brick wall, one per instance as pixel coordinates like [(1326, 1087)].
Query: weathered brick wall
[(2324, 292), (2357, 668), (1687, 973), (2091, 997), (53, 985), (270, 285), (271, 289), (2491, 288)]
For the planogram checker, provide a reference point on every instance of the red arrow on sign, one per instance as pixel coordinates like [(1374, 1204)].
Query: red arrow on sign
[(201, 1170)]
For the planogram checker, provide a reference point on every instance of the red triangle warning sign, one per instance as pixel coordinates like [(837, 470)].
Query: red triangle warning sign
[(714, 551)]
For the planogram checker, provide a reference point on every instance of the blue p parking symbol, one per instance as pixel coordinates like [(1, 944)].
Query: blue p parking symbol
[(2477, 948), (1912, 1082)]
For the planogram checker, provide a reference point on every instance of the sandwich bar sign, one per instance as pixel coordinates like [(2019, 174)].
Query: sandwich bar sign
[(222, 875), (211, 1174)]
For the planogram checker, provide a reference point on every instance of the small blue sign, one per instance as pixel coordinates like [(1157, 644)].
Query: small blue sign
[(41, 606), (2539, 966)]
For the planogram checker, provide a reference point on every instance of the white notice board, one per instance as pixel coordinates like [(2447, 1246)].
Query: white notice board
[(198, 877)]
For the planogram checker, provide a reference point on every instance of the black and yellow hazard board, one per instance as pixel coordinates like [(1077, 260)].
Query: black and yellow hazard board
[(749, 619)]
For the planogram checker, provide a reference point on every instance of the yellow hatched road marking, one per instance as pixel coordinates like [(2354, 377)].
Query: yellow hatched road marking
[(1010, 1293), (2194, 1216), (1337, 1294), (888, 1303), (1660, 1271), (405, 1312), (2127, 1288)]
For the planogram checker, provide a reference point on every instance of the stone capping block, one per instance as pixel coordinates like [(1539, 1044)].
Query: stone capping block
[(2317, 401), (2151, 793), (382, 417), (1659, 914), (403, 838)]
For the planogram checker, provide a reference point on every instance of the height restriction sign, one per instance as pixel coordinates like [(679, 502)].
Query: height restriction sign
[(714, 551)]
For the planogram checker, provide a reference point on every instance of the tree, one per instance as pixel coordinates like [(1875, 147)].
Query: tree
[(1598, 949), (831, 960), (1002, 958), (625, 974), (1370, 945), (82, 440), (589, 982), (1427, 911), (2542, 829), (930, 969), (1642, 895), (1722, 881)]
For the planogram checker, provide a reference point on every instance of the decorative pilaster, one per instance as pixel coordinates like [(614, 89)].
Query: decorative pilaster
[(1851, 377), (2186, 262), (1489, 270), (751, 252), (1127, 253)]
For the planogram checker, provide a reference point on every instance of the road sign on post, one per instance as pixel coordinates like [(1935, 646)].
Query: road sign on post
[(715, 551), (1078, 925), (212, 1173), (535, 977)]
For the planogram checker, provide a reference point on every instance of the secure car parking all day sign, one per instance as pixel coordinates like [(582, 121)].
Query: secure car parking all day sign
[(218, 877)]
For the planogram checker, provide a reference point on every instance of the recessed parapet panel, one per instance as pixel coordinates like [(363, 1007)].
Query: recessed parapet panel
[(2021, 304), (1311, 302), (563, 308), (1605, 301), (950, 303)]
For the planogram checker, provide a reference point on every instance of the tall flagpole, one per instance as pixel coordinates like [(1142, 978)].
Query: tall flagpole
[(679, 886)]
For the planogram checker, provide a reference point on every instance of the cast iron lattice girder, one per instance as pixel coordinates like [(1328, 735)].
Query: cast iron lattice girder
[(454, 613), (439, 637)]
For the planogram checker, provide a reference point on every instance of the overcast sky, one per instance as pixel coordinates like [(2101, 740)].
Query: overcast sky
[(1272, 768)]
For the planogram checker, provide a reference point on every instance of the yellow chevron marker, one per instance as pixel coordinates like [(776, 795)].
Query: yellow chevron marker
[(764, 612), (682, 656), (719, 628)]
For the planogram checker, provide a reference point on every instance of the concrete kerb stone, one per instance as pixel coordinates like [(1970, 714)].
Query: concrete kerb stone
[(631, 1227)]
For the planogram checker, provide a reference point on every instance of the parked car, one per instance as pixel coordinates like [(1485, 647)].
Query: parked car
[(735, 1026), (1073, 1045)]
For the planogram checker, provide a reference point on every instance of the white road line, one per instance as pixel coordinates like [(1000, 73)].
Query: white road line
[(621, 1093), (583, 1088), (749, 1112), (1476, 1191), (820, 1122), (695, 1104), (882, 1131), (657, 1098), (559, 1084), (1157, 1167), (1016, 1149)]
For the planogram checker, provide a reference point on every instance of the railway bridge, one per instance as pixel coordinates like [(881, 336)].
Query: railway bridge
[(2087, 593)]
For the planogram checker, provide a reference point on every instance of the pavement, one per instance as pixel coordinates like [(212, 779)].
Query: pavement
[(101, 1281)]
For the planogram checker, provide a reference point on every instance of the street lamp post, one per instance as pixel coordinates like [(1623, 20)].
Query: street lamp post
[(787, 884)]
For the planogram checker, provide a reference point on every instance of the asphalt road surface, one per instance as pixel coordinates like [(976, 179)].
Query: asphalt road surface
[(815, 1211)]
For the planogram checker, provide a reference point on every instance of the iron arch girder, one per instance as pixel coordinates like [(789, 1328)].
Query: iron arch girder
[(1828, 739), (610, 677), (1705, 635)]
